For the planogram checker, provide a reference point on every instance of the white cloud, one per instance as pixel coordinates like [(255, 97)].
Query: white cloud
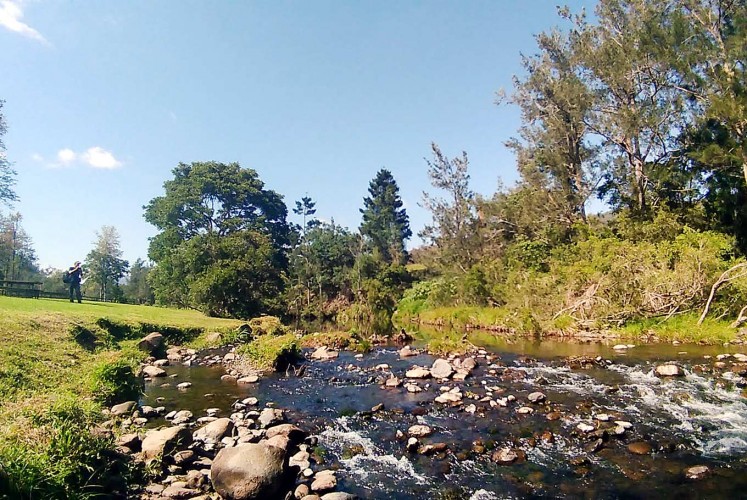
[(66, 156), (37, 157), (98, 157), (10, 18)]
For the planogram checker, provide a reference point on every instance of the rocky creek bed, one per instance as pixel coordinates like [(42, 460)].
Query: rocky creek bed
[(633, 422)]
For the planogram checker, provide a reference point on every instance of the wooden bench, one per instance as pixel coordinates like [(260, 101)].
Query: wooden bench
[(15, 288)]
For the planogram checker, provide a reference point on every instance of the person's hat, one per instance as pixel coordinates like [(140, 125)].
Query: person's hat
[(77, 262)]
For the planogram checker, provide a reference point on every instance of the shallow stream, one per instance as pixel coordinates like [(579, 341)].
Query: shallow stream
[(698, 419)]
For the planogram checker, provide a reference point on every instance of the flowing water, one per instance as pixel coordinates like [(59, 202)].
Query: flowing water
[(698, 419)]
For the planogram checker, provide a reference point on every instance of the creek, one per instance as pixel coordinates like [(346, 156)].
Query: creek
[(696, 419)]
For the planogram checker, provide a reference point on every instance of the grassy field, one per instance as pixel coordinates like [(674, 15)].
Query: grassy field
[(60, 362)]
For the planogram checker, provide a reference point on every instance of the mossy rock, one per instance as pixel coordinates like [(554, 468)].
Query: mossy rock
[(267, 325)]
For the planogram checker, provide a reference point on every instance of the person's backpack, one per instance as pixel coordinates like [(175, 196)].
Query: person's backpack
[(66, 277)]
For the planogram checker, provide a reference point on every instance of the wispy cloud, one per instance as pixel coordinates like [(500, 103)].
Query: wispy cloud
[(98, 157), (11, 14)]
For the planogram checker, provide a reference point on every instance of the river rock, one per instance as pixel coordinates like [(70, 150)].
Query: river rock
[(413, 388), (669, 370), (418, 372), (123, 408), (184, 457), (419, 431), (164, 442), (271, 416), (249, 379), (301, 491), (392, 382), (407, 352), (154, 371), (293, 433), (441, 369), (151, 342), (177, 491), (182, 417), (324, 353), (505, 456), (697, 473), (248, 471), (324, 481), (129, 441), (214, 431), (584, 427), (184, 386), (536, 397), (639, 448), (453, 396), (338, 495), (278, 441)]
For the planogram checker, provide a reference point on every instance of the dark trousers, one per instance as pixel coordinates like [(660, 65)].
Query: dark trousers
[(75, 288)]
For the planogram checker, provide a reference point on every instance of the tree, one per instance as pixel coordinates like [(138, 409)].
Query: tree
[(305, 208), (385, 224), (105, 266), (223, 240), (17, 256), (452, 230), (637, 112), (137, 289), (553, 152), (7, 174)]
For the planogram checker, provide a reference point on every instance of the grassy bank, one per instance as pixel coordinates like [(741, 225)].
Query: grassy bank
[(59, 364), (682, 328)]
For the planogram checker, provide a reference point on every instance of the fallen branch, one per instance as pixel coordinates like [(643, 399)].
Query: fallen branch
[(724, 278)]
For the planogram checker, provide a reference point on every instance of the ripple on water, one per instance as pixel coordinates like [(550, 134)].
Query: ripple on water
[(372, 464)]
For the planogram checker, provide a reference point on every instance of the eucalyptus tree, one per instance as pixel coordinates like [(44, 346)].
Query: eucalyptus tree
[(555, 156), (637, 111), (452, 229)]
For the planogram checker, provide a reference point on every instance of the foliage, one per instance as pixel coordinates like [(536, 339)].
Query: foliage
[(7, 174), (105, 266), (385, 226), (113, 382), (137, 289), (17, 256), (452, 230), (222, 243), (271, 352), (267, 325)]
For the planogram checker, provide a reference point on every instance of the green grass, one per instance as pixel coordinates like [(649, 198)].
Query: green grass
[(683, 328), (59, 363)]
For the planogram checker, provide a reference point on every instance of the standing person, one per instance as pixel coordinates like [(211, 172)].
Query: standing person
[(76, 276)]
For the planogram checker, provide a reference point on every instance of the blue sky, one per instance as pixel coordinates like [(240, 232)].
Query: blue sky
[(103, 99)]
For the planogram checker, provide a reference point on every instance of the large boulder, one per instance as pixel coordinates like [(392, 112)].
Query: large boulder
[(151, 342), (164, 442), (248, 471), (123, 408), (153, 371)]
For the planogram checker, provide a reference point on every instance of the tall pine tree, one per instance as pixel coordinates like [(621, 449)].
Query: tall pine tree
[(385, 224)]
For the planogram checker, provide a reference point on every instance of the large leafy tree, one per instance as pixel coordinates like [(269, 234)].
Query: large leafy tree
[(7, 174), (223, 240), (385, 225), (105, 266)]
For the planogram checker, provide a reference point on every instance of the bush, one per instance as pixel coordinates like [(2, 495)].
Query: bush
[(271, 353), (113, 382)]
